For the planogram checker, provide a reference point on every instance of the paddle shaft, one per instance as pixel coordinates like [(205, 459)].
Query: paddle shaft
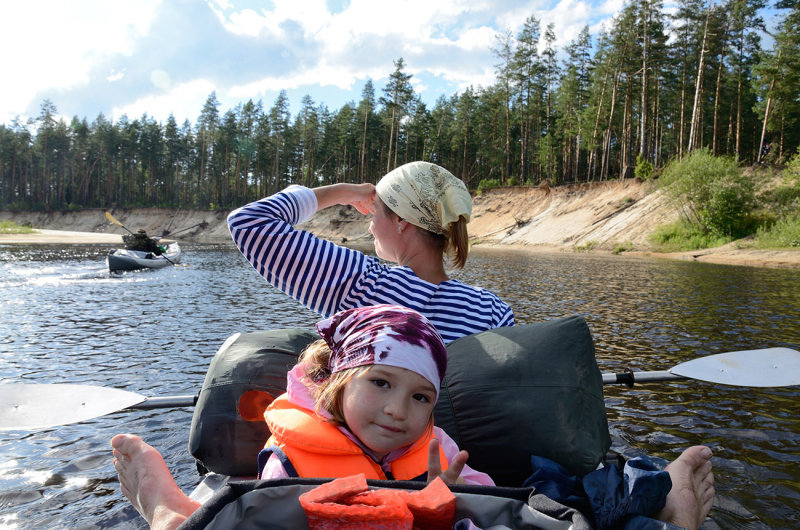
[(165, 402), (629, 378), (114, 220), (625, 378)]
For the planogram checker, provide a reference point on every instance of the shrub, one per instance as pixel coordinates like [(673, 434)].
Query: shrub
[(784, 199), (10, 227), (485, 184), (713, 192), (684, 235), (784, 233), (619, 248), (644, 169)]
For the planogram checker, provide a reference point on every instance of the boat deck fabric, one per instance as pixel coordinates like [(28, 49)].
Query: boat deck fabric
[(274, 504)]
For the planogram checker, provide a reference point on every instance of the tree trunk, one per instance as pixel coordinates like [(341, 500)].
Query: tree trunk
[(694, 131), (766, 117), (643, 151), (714, 140)]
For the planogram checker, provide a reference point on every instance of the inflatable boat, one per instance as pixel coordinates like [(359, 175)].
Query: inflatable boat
[(544, 375), (129, 260)]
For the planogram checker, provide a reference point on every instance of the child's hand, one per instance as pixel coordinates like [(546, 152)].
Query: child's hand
[(453, 472)]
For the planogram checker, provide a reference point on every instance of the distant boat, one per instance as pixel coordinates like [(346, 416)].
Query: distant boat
[(129, 260)]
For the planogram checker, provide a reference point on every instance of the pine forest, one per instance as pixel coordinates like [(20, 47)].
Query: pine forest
[(653, 87)]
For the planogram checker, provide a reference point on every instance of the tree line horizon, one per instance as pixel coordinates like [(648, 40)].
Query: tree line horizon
[(656, 88)]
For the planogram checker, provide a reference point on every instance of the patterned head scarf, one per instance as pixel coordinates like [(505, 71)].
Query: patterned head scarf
[(388, 335), (425, 195)]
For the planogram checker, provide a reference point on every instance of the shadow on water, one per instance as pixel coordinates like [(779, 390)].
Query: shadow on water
[(67, 319)]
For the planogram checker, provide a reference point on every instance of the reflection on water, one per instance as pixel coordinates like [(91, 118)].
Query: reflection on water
[(66, 319)]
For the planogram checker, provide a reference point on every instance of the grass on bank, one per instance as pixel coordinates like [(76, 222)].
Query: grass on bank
[(721, 202), (10, 227)]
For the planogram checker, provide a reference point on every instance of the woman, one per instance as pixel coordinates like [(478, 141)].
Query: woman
[(420, 212)]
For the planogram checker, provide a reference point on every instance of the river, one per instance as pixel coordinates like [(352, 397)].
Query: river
[(65, 319)]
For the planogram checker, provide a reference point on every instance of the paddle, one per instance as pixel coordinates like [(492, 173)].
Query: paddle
[(769, 367), (113, 220), (38, 406)]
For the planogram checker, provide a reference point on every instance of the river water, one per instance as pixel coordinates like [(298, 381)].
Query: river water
[(65, 319)]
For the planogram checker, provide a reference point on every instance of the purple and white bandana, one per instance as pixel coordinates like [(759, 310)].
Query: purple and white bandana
[(388, 335)]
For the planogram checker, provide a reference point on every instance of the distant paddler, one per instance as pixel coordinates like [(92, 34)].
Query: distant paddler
[(139, 241)]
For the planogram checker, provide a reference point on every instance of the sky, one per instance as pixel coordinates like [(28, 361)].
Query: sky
[(162, 57)]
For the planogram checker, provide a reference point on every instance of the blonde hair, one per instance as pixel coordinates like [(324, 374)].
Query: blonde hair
[(453, 243), (326, 388)]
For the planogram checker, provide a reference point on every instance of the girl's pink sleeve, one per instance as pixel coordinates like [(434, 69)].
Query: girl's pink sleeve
[(451, 449), (273, 469)]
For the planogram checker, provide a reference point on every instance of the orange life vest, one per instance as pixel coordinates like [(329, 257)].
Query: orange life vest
[(317, 448)]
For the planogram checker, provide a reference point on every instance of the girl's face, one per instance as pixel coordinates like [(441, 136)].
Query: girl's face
[(388, 407), (384, 228)]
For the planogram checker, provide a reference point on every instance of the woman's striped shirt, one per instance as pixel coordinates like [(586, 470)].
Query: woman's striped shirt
[(328, 278)]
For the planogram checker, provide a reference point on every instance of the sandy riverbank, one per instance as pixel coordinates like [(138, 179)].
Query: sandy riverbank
[(60, 237), (601, 216)]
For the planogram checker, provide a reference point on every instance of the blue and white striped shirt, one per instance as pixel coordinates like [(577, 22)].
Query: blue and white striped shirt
[(328, 278)]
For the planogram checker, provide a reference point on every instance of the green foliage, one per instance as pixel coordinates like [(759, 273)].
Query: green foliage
[(10, 227), (683, 235), (586, 247), (486, 184), (714, 193), (619, 248), (784, 233), (512, 181), (784, 199), (644, 169)]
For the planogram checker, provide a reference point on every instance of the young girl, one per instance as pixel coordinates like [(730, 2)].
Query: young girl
[(365, 393), (359, 401)]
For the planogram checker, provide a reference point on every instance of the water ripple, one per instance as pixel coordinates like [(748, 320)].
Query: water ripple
[(66, 319)]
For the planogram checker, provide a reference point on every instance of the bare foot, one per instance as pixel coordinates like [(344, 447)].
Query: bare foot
[(692, 493), (146, 481)]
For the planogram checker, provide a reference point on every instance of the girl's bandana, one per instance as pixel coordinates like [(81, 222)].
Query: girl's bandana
[(388, 335)]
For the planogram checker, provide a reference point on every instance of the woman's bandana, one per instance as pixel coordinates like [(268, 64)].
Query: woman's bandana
[(425, 195), (388, 335)]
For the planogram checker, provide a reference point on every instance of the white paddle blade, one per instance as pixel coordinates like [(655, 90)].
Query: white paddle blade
[(756, 368), (39, 406)]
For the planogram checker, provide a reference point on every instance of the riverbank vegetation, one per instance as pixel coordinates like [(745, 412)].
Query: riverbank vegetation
[(10, 227), (653, 87), (721, 202)]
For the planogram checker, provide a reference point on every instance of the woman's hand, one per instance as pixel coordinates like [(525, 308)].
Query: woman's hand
[(453, 473), (359, 196), (363, 198)]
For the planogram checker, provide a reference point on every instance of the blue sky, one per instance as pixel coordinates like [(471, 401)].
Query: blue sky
[(166, 56)]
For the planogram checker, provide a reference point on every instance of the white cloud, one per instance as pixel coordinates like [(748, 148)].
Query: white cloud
[(312, 15), (321, 74), (115, 75), (184, 101), (55, 45), (92, 56)]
